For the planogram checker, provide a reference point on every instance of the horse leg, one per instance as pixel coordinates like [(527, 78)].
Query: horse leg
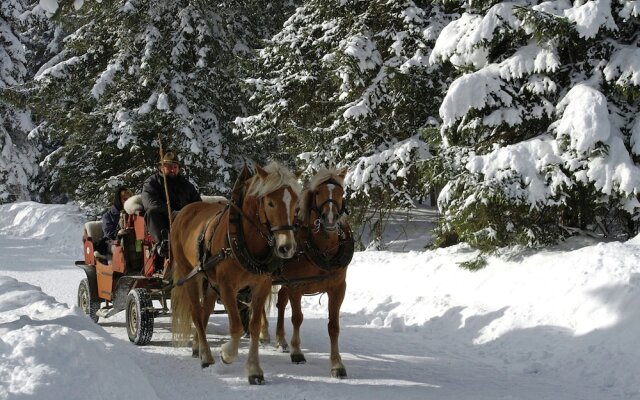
[(208, 303), (265, 338), (195, 345), (295, 297), (259, 294), (229, 350), (336, 296), (283, 300), (200, 323)]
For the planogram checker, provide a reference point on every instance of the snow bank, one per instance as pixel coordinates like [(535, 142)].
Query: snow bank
[(573, 310), (50, 351), (60, 225)]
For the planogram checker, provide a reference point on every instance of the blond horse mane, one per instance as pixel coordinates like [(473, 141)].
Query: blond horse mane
[(278, 177), (316, 180)]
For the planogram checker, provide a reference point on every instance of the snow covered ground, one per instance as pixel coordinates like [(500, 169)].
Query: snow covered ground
[(561, 323)]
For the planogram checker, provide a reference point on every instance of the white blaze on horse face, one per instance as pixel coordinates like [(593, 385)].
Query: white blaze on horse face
[(286, 198), (285, 241), (330, 217)]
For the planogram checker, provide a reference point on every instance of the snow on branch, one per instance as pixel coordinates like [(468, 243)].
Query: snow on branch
[(527, 171), (461, 42), (528, 60), (386, 165), (488, 86), (105, 79), (57, 66), (585, 118), (624, 66), (590, 16), (363, 50), (586, 122), (635, 136), (630, 8), (616, 172), (475, 90)]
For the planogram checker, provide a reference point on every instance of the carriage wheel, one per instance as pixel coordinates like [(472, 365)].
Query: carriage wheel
[(90, 307), (139, 316)]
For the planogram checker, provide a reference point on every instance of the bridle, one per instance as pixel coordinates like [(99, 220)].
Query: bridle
[(318, 208), (262, 217)]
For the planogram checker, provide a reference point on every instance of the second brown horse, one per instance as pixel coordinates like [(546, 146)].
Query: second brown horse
[(326, 248)]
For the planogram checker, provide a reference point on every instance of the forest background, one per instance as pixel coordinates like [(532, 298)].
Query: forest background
[(522, 116)]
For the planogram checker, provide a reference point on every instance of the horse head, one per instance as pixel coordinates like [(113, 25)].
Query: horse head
[(276, 190), (323, 202)]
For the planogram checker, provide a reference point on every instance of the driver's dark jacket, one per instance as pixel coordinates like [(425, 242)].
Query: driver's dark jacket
[(181, 193)]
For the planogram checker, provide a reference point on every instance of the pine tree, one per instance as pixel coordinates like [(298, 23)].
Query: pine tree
[(133, 72), (540, 125), (18, 154), (348, 83)]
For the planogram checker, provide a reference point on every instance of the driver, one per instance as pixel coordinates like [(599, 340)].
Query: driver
[(181, 192)]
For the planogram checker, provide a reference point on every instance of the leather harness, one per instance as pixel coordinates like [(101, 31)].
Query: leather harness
[(271, 264), (234, 239)]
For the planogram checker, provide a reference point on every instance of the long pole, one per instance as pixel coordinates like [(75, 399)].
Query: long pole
[(164, 179)]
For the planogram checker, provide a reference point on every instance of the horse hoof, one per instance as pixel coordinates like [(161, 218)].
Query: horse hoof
[(206, 364), (298, 359), (256, 379), (339, 373), (195, 354), (283, 348), (223, 360)]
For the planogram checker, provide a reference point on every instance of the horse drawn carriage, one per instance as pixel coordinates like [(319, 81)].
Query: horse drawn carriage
[(269, 231), (130, 277)]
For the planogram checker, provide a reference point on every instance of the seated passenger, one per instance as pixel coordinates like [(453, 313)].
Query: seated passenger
[(111, 218)]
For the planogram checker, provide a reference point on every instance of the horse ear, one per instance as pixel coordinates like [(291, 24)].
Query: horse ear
[(342, 173), (299, 173), (261, 172)]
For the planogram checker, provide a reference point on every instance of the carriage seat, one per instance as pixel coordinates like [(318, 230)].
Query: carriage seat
[(95, 234), (94, 230)]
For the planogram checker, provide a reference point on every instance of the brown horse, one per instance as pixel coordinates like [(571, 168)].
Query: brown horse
[(325, 239), (218, 249)]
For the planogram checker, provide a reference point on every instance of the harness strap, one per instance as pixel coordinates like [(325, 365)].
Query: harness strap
[(190, 275), (236, 242), (234, 239), (318, 208), (301, 281), (207, 261), (283, 228), (328, 262)]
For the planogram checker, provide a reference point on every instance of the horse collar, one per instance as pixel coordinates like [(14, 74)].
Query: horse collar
[(322, 260)]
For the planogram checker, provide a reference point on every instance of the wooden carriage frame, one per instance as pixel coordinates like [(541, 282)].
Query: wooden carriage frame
[(128, 279)]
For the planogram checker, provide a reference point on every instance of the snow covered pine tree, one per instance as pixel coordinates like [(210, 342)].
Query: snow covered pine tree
[(540, 129)]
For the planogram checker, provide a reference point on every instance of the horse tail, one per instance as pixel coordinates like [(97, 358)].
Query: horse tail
[(269, 304), (180, 312)]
